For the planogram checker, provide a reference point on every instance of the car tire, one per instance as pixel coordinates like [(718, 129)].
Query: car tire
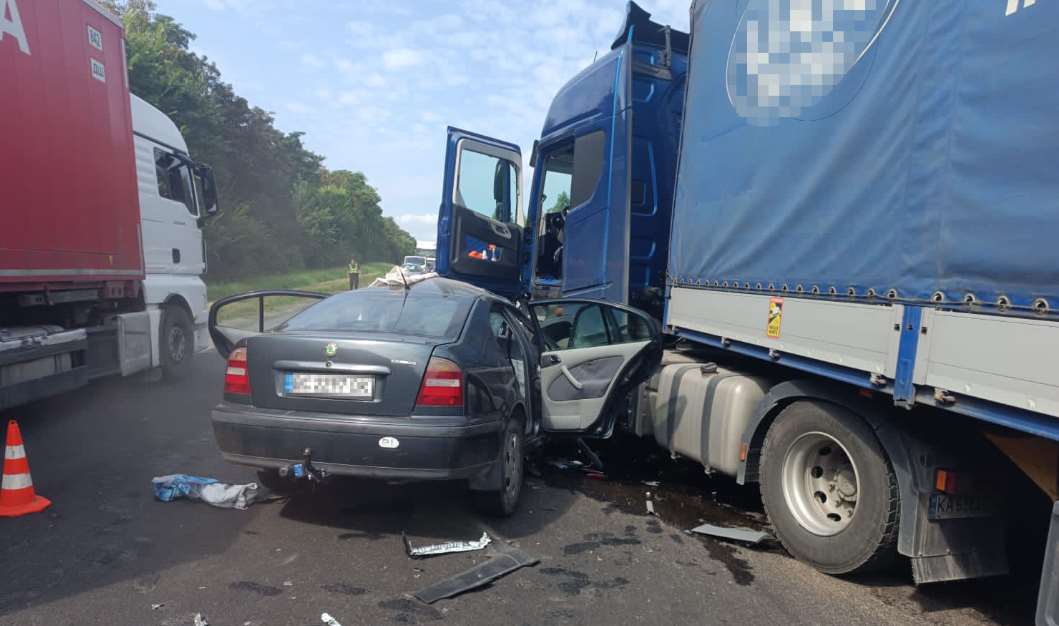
[(177, 343), (829, 489), (503, 502)]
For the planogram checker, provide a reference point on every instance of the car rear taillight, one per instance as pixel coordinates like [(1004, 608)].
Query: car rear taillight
[(236, 377), (442, 384)]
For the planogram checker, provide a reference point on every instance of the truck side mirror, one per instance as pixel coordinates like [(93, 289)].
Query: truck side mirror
[(209, 190)]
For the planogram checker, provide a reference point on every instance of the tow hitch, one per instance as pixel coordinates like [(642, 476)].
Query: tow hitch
[(304, 470)]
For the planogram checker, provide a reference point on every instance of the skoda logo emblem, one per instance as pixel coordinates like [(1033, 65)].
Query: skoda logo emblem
[(330, 350)]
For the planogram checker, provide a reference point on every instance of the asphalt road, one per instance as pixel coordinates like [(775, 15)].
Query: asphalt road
[(107, 553)]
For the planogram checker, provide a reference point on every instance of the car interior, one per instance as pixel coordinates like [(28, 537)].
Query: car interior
[(555, 198)]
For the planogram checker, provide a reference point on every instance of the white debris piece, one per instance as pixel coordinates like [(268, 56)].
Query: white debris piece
[(327, 619), (445, 548)]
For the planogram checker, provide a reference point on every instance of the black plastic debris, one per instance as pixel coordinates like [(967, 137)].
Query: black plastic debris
[(746, 535), (501, 564)]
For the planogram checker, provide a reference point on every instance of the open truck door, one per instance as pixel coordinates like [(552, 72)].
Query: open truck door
[(479, 222), (592, 354), (243, 315)]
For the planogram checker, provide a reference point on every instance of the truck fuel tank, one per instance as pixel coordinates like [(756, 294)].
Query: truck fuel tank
[(699, 410)]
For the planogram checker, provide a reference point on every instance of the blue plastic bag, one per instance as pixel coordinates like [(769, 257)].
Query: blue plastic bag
[(223, 495)]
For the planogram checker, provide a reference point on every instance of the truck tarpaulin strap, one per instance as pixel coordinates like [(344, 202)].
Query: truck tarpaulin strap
[(920, 157)]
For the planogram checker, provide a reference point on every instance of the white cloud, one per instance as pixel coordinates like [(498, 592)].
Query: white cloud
[(400, 58), (311, 60), (417, 218), (348, 97)]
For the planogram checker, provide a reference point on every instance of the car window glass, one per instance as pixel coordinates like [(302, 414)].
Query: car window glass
[(385, 310), (565, 326), (487, 185), (588, 166), (628, 327)]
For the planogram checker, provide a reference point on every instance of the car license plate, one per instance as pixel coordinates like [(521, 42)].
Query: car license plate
[(335, 385), (947, 506)]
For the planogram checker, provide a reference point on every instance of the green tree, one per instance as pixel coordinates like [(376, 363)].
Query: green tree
[(562, 201), (281, 208)]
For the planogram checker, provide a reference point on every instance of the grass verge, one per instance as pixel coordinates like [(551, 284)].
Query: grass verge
[(326, 280)]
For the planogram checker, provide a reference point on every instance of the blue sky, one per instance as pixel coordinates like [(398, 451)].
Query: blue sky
[(374, 83)]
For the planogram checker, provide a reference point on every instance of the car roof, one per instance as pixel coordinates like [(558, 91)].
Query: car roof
[(438, 286)]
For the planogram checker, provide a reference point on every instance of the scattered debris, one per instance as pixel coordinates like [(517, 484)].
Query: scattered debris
[(288, 583), (327, 619), (444, 548), (155, 607), (223, 495), (564, 464), (652, 483), (747, 535), (501, 564), (594, 474), (200, 620), (590, 453)]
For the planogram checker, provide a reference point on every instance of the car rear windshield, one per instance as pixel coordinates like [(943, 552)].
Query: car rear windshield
[(386, 310)]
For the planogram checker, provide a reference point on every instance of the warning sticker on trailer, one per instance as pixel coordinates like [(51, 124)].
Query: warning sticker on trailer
[(775, 317), (98, 71)]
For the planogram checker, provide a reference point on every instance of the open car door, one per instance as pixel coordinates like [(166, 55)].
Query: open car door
[(592, 354), (243, 315), (479, 223)]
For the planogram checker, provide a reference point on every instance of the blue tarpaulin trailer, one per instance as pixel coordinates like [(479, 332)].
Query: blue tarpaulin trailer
[(857, 279)]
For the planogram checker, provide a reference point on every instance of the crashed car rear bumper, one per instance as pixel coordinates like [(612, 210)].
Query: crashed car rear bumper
[(427, 448)]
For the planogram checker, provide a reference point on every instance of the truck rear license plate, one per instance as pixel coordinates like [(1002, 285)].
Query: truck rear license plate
[(332, 385), (947, 506)]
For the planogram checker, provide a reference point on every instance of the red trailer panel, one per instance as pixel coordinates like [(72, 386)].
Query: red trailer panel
[(69, 209)]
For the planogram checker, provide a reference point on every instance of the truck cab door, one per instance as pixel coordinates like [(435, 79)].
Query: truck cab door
[(592, 354), (479, 222)]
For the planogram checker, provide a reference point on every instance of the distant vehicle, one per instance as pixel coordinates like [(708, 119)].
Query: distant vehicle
[(415, 260), (413, 268), (436, 381), (431, 264), (101, 248)]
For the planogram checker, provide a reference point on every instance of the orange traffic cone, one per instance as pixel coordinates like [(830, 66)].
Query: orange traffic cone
[(17, 496)]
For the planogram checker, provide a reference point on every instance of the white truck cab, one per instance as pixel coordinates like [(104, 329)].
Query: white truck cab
[(176, 195)]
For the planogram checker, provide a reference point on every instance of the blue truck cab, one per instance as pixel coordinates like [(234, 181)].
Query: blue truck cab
[(844, 217), (600, 200)]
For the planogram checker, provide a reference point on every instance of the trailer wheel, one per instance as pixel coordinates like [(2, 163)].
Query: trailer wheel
[(829, 489), (177, 342)]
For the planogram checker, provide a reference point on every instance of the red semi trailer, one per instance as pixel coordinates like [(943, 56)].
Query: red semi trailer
[(100, 209)]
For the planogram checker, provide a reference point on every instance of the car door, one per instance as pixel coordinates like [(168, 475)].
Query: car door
[(592, 354), (243, 315), (479, 222)]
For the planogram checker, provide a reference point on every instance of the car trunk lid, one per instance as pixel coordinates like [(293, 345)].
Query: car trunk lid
[(394, 364)]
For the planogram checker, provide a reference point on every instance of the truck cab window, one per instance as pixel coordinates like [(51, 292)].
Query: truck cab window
[(487, 185), (571, 175), (174, 180)]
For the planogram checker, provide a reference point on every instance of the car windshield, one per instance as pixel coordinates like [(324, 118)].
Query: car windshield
[(426, 314)]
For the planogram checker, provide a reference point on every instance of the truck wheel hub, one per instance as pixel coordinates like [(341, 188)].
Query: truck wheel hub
[(820, 483)]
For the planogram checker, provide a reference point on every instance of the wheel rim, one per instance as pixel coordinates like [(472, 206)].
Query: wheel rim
[(820, 483), (177, 342), (512, 454)]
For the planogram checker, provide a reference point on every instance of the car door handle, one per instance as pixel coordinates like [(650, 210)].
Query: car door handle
[(551, 359), (570, 377)]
